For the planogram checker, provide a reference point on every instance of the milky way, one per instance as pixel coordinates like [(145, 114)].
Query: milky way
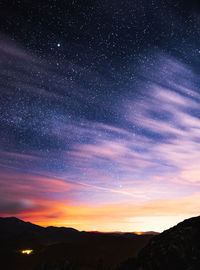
[(100, 113)]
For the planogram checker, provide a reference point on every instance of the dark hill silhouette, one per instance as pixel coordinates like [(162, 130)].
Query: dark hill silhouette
[(12, 226), (175, 249), (63, 248)]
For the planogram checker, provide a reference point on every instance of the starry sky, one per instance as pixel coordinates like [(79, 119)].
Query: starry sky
[(100, 113)]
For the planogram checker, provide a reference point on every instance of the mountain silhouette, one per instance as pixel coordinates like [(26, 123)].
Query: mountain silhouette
[(12, 226), (60, 248), (175, 249)]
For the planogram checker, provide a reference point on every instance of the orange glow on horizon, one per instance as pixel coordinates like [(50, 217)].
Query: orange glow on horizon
[(138, 233), (155, 215), (129, 216)]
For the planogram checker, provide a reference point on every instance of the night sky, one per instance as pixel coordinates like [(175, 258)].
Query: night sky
[(100, 113)]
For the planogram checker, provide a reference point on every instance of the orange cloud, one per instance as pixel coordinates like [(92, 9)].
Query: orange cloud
[(156, 215)]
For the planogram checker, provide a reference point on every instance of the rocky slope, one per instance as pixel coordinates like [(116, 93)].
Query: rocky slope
[(175, 249)]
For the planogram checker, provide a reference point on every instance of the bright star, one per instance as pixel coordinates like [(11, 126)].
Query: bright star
[(58, 44)]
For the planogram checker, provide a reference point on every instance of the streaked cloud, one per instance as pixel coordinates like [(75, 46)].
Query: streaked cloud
[(64, 166)]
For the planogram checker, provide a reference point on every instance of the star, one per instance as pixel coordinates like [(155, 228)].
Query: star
[(58, 44)]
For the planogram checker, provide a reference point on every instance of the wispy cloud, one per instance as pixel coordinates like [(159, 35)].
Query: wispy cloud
[(57, 148)]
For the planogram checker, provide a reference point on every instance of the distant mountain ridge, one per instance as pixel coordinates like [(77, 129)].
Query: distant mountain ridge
[(15, 226), (26, 233), (12, 226), (63, 248), (23, 234)]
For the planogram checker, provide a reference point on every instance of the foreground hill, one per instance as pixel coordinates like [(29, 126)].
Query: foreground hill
[(175, 249), (62, 248)]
